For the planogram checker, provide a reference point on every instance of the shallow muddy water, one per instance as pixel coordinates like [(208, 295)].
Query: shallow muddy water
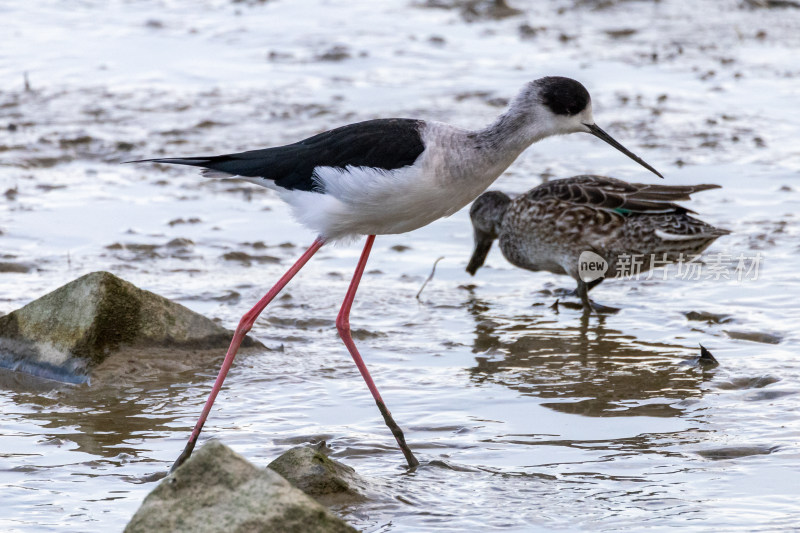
[(525, 418)]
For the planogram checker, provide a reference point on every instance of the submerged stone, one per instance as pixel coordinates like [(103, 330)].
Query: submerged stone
[(708, 317), (316, 474), (755, 336), (217, 490), (735, 452), (68, 332)]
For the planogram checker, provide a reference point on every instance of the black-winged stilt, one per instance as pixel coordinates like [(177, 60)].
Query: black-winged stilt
[(392, 176), (632, 227)]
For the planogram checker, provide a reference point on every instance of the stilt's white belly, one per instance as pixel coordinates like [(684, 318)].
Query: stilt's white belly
[(366, 201)]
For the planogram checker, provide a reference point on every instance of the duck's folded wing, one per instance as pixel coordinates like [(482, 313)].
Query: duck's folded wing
[(621, 197)]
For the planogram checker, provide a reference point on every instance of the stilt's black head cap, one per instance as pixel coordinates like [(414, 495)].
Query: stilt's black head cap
[(563, 96)]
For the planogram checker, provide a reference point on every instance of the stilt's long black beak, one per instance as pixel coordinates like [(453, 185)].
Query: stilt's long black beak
[(595, 130), (483, 243)]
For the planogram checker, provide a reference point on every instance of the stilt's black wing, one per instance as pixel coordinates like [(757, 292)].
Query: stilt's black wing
[(383, 143)]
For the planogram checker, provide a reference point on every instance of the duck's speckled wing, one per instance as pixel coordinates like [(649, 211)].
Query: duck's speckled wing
[(618, 196), (608, 216)]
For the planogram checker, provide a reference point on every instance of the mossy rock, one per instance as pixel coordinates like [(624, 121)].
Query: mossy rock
[(309, 469), (68, 332), (217, 490)]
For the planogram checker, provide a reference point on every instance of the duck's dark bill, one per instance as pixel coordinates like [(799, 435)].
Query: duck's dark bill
[(483, 243), (600, 134)]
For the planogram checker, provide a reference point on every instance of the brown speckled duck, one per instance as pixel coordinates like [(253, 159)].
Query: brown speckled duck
[(550, 226)]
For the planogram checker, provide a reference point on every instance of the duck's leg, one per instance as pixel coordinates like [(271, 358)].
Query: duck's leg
[(594, 283), (343, 325), (574, 292), (588, 304)]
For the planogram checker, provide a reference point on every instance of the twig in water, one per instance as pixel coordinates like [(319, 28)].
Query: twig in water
[(430, 277)]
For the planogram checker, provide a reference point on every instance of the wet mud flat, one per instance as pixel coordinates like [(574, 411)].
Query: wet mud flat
[(527, 419)]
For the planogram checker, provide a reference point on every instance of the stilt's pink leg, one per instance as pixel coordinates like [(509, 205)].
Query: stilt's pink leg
[(241, 330), (343, 325)]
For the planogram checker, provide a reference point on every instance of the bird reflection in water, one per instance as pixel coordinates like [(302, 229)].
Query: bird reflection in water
[(587, 368)]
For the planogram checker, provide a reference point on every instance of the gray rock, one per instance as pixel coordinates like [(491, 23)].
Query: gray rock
[(66, 333), (217, 490), (313, 472)]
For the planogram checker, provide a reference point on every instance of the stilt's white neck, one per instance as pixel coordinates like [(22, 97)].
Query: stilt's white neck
[(512, 132)]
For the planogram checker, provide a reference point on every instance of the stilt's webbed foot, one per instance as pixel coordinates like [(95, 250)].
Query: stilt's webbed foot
[(398, 434), (185, 454)]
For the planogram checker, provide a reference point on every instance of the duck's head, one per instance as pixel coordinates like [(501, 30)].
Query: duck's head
[(487, 214)]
